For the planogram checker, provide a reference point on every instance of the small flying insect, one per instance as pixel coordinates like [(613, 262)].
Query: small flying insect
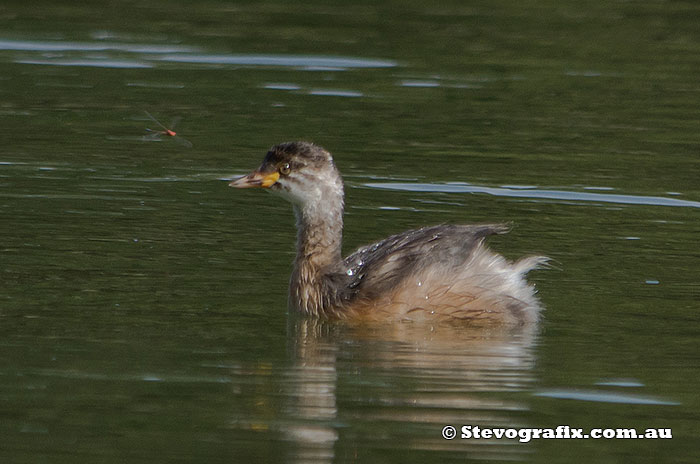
[(158, 134)]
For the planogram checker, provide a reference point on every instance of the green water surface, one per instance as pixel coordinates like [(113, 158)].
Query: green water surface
[(143, 302)]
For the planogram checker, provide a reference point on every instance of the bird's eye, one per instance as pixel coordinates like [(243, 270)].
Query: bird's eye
[(285, 169)]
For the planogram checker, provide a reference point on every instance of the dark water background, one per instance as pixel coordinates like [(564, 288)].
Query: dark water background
[(142, 301)]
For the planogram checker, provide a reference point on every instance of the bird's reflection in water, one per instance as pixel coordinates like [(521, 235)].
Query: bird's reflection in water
[(354, 389)]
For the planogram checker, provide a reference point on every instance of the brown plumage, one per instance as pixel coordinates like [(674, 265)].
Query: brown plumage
[(433, 273)]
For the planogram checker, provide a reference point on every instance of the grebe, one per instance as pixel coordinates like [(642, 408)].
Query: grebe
[(432, 273)]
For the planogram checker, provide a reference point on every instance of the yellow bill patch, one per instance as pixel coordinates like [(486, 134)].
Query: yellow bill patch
[(270, 179)]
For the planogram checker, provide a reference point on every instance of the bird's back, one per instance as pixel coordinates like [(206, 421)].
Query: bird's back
[(438, 272)]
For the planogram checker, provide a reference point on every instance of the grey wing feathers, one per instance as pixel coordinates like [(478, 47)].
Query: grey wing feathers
[(381, 266)]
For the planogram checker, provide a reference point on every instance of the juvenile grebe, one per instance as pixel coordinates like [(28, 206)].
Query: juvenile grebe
[(432, 273)]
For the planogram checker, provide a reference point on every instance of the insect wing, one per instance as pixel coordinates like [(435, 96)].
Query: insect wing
[(182, 141), (150, 116)]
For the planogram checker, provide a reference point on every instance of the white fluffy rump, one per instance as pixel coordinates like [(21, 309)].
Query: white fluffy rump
[(487, 289)]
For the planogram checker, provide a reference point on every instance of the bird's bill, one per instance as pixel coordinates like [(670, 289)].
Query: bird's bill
[(256, 179)]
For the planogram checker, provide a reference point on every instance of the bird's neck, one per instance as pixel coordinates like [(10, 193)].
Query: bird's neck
[(319, 242)]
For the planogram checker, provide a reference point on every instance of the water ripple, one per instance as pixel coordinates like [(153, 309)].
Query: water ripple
[(604, 397), (304, 61), (149, 54), (335, 93), (39, 46), (537, 193), (99, 63)]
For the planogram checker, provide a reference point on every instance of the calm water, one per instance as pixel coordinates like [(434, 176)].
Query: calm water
[(142, 301)]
